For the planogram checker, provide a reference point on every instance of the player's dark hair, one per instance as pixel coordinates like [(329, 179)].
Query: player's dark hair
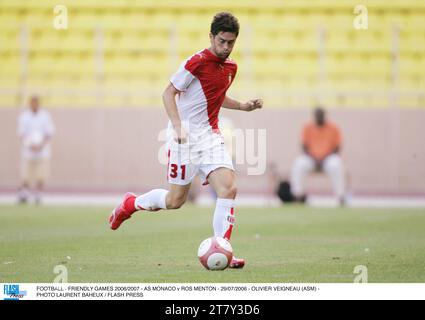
[(226, 22)]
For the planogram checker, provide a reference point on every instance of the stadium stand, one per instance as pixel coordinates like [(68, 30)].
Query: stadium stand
[(292, 53)]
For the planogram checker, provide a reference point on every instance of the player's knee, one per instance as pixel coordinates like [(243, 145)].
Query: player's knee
[(335, 165), (176, 202), (174, 205), (301, 164), (229, 192), (233, 191)]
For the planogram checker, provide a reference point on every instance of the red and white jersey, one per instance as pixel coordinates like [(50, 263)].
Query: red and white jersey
[(202, 80)]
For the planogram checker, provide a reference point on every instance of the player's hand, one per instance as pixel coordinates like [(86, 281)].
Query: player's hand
[(318, 165), (252, 105), (180, 135), (36, 148)]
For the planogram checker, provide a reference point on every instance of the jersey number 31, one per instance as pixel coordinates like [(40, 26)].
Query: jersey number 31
[(174, 171)]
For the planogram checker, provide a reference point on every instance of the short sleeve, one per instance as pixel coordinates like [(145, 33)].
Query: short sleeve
[(184, 76)]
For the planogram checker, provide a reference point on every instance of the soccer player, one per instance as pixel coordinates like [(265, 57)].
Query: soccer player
[(192, 100)]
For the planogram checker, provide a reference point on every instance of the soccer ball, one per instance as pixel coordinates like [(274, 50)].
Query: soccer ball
[(215, 253)]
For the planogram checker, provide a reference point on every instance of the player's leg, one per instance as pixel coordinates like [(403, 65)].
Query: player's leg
[(180, 175), (39, 187), (153, 200), (334, 168), (223, 181), (195, 190), (23, 192), (158, 199), (303, 164), (41, 173)]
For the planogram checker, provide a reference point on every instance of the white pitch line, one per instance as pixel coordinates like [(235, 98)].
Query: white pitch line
[(242, 200)]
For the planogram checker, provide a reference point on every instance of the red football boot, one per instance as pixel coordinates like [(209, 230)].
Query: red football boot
[(122, 212), (237, 263)]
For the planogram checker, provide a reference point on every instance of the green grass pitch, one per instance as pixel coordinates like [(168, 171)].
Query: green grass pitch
[(281, 245)]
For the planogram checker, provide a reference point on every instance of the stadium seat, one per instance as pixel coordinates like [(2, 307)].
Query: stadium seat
[(282, 44)]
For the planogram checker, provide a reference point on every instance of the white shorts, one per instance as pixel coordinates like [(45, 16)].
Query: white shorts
[(186, 161)]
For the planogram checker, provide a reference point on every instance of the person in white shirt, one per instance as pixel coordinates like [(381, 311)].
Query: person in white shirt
[(35, 129)]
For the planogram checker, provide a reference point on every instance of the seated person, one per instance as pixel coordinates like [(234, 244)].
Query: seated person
[(321, 142)]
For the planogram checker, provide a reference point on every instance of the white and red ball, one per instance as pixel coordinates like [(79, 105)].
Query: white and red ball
[(215, 253)]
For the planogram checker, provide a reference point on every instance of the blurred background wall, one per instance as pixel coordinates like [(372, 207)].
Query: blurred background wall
[(102, 79), (119, 149)]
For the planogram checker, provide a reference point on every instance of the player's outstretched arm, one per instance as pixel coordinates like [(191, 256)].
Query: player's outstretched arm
[(250, 105)]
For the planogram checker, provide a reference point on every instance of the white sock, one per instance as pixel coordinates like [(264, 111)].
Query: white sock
[(224, 218), (37, 196), (153, 200)]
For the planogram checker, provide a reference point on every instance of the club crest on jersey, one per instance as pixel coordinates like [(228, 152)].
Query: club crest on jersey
[(230, 77), (231, 219)]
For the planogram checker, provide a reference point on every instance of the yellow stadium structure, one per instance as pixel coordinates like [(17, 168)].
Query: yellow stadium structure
[(293, 53)]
